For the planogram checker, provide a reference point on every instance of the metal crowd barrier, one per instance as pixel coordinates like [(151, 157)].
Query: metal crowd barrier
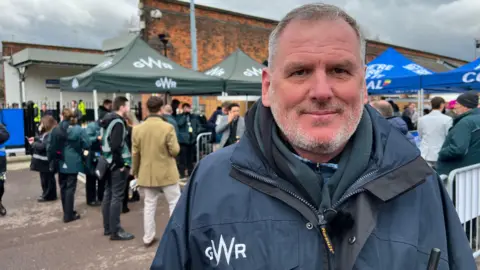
[(204, 145), (463, 186)]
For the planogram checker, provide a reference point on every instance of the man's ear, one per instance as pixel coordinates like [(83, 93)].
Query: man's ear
[(266, 80)]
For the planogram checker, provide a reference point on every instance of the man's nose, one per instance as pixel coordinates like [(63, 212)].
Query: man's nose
[(320, 88)]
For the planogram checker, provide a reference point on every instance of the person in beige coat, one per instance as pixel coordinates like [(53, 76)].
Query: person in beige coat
[(154, 148)]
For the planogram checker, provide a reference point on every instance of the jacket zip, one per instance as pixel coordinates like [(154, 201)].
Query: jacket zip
[(321, 219)]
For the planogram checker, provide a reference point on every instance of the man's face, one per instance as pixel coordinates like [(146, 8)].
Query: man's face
[(225, 110), (74, 105), (412, 106), (235, 111), (125, 108), (460, 109), (108, 106), (316, 90), (187, 109), (44, 107)]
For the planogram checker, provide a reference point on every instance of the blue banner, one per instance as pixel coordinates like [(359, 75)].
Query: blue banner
[(466, 77), (14, 122)]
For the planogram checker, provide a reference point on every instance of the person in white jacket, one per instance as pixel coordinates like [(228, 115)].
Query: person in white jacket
[(432, 130)]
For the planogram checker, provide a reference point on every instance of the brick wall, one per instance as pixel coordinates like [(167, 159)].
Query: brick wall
[(218, 33)]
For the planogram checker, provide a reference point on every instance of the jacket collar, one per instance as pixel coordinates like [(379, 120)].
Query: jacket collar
[(463, 115), (396, 168), (156, 116)]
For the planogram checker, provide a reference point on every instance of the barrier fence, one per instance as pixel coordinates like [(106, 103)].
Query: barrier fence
[(463, 186), (204, 145)]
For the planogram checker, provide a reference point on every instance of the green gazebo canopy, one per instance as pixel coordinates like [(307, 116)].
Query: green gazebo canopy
[(241, 74), (138, 68)]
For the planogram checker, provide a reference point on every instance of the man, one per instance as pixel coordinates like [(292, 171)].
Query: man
[(189, 127), (154, 148), (213, 121), (104, 109), (231, 126), (167, 114), (115, 150), (407, 116), (319, 180), (76, 111), (432, 130), (386, 110), (462, 144), (44, 111), (413, 113)]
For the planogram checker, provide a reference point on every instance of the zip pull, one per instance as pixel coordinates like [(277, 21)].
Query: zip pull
[(323, 229)]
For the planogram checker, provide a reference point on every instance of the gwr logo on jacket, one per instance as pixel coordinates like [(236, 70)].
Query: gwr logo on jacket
[(216, 252)]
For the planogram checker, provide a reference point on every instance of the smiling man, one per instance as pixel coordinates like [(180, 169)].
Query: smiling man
[(319, 181)]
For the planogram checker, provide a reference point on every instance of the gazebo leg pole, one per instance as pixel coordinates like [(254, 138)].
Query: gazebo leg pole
[(166, 99), (95, 105), (61, 102)]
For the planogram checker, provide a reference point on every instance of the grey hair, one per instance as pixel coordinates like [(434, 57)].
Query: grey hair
[(313, 12)]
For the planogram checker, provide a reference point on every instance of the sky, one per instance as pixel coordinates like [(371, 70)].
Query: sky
[(446, 27)]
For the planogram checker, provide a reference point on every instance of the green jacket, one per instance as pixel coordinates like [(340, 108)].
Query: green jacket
[(72, 151), (93, 131), (462, 144), (184, 134)]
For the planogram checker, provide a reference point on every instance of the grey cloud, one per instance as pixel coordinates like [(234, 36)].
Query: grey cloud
[(441, 26)]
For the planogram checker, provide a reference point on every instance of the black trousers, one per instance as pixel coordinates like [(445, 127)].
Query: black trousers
[(68, 186), (94, 189), (2, 189), (112, 199), (49, 186), (186, 158)]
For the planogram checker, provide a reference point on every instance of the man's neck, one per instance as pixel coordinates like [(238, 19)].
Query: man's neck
[(318, 158), (119, 113)]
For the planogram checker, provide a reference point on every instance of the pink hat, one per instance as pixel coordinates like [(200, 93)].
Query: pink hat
[(451, 104)]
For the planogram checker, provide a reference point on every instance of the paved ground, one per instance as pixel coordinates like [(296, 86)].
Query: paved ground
[(33, 236)]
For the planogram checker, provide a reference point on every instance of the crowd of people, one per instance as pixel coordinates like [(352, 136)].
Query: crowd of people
[(153, 155), (449, 132)]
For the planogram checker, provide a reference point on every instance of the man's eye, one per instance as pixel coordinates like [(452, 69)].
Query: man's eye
[(339, 71), (301, 72)]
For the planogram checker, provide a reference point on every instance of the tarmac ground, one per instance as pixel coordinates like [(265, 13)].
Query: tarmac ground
[(33, 235)]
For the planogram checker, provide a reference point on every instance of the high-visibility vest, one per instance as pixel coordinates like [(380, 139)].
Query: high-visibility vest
[(107, 151), (81, 108), (37, 118)]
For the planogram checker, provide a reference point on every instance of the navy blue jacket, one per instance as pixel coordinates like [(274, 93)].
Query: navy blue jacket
[(401, 125), (235, 213)]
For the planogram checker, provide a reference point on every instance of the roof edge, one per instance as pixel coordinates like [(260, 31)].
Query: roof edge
[(219, 10), (261, 19), (41, 46), (396, 47)]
